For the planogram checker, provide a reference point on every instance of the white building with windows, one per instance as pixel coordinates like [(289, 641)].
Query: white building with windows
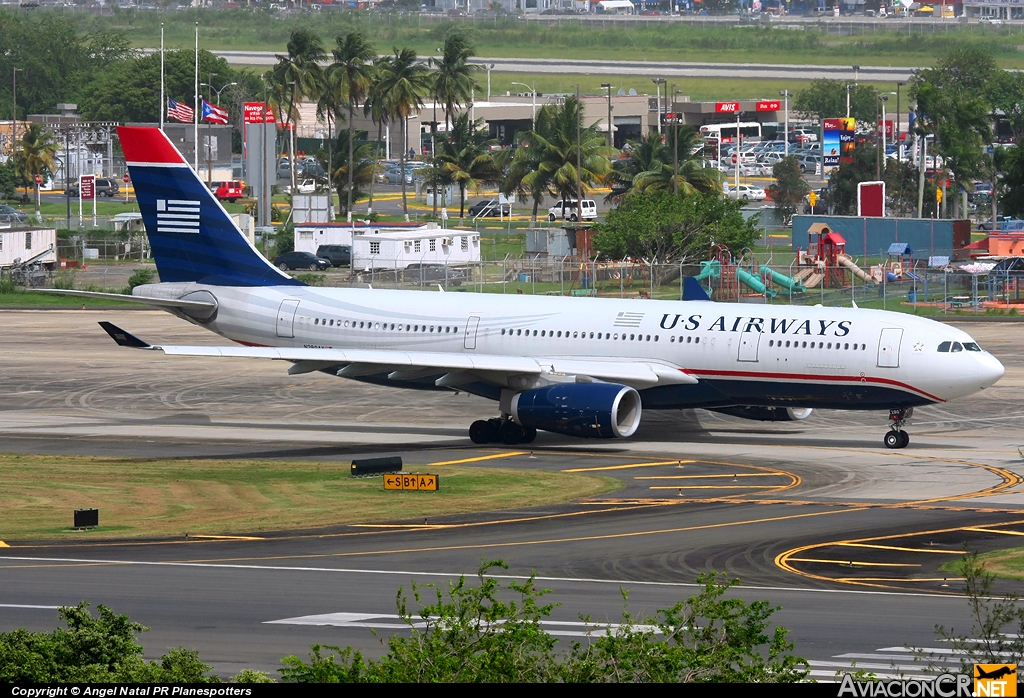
[(20, 244), (377, 248)]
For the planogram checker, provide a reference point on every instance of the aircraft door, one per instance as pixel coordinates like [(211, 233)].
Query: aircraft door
[(889, 347), (471, 326), (749, 343), (286, 317)]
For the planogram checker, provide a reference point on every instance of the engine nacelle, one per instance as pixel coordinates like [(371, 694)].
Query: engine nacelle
[(595, 410), (767, 414)]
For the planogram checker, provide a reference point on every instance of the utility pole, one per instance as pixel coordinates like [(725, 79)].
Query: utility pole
[(848, 88), (785, 95), (675, 145), (658, 82), (611, 138), (14, 114), (579, 179)]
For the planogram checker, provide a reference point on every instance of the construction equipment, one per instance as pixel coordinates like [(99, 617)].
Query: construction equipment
[(29, 272)]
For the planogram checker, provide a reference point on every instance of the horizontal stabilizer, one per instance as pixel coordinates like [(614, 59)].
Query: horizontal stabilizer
[(124, 339), (121, 298)]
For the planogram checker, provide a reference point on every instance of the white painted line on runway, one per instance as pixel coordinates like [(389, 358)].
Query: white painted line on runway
[(448, 575), (25, 605)]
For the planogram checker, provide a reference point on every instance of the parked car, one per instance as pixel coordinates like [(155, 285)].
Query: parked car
[(9, 214), (434, 273), (338, 255), (587, 210), (987, 224), (104, 187), (489, 207), (306, 186), (301, 260), (229, 191), (748, 192)]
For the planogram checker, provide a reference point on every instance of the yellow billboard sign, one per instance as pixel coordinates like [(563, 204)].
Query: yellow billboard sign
[(412, 481), (995, 680)]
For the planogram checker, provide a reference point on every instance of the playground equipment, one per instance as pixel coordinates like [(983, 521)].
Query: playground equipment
[(825, 260), (709, 271), (754, 282), (788, 283)]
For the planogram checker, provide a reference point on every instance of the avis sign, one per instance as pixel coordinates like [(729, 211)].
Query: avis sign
[(727, 107), (411, 481)]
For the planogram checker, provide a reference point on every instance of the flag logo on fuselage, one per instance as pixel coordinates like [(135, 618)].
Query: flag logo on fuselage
[(625, 319), (177, 216)]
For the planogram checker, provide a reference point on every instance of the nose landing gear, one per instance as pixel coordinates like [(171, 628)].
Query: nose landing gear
[(499, 430), (896, 437)]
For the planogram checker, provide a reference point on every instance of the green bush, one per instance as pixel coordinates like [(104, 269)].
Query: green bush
[(312, 279), (7, 286), (64, 280), (139, 277)]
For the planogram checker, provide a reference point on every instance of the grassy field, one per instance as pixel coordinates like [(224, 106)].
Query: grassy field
[(882, 44), (1007, 564), (140, 497), (22, 299)]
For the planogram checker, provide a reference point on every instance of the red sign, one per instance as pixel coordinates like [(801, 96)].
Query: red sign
[(888, 128), (87, 186), (253, 113), (727, 107), (871, 199), (125, 178), (39, 179), (770, 105)]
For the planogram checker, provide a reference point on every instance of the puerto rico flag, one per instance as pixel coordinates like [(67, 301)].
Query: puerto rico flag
[(179, 111), (214, 114)]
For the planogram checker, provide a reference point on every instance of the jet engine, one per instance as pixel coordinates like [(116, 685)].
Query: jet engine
[(767, 414), (595, 410)]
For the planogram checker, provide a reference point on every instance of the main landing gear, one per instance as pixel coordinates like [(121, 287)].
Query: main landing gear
[(499, 430), (896, 437)]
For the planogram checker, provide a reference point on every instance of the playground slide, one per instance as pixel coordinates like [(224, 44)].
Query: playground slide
[(794, 285), (709, 270), (845, 261), (753, 281), (809, 277)]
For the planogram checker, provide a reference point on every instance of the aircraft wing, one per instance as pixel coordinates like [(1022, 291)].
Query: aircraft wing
[(491, 368)]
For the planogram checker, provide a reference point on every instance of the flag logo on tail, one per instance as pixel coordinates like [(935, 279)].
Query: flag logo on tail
[(214, 114), (177, 216), (179, 111)]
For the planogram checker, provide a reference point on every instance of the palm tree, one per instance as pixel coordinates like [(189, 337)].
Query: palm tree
[(559, 127), (453, 81), (297, 75), (329, 107), (353, 65), (37, 156), (377, 106), (405, 82), (466, 158), (348, 180), (645, 155), (691, 177)]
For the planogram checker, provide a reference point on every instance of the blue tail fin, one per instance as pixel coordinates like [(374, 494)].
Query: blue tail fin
[(192, 236), (693, 291)]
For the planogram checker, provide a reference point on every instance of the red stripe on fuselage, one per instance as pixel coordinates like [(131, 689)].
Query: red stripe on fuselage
[(812, 377)]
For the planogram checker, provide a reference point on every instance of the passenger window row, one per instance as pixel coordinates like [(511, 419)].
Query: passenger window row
[(560, 334), (689, 338), (817, 345), (952, 347), (400, 327)]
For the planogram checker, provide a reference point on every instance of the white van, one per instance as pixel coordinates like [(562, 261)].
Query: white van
[(587, 210)]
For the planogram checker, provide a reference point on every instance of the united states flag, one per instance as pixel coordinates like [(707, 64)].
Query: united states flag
[(214, 114), (179, 111)]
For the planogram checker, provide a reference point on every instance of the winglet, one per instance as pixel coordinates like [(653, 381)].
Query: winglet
[(124, 339), (693, 291)]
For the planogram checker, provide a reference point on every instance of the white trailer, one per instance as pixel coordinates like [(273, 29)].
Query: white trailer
[(428, 244), (20, 244)]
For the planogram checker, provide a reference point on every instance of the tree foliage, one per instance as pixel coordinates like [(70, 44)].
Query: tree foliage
[(826, 99), (788, 188), (660, 225), (487, 633)]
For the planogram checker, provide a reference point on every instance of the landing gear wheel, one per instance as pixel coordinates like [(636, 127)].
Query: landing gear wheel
[(480, 432), (511, 433), (529, 435), (904, 439), (893, 440), (897, 438)]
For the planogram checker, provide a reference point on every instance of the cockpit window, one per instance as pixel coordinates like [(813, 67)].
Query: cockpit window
[(971, 346), (956, 347), (944, 347)]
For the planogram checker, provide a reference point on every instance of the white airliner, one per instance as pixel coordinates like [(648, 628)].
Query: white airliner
[(578, 366)]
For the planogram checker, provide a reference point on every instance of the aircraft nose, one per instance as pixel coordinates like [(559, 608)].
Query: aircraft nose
[(990, 370)]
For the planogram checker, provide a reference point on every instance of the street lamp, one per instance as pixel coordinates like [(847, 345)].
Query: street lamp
[(880, 133), (209, 126), (213, 89), (856, 74), (785, 95), (658, 82), (533, 119), (921, 169), (490, 67), (611, 138), (896, 130), (848, 88)]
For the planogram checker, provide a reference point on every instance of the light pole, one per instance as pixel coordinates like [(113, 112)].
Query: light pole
[(896, 128), (880, 134), (533, 119), (490, 67), (848, 88), (785, 95), (611, 138), (14, 114), (856, 74), (921, 169), (209, 126), (658, 82)]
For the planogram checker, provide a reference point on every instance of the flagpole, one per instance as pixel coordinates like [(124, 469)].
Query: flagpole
[(163, 100), (195, 113)]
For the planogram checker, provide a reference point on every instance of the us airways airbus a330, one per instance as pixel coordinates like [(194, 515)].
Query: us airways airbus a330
[(578, 366)]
